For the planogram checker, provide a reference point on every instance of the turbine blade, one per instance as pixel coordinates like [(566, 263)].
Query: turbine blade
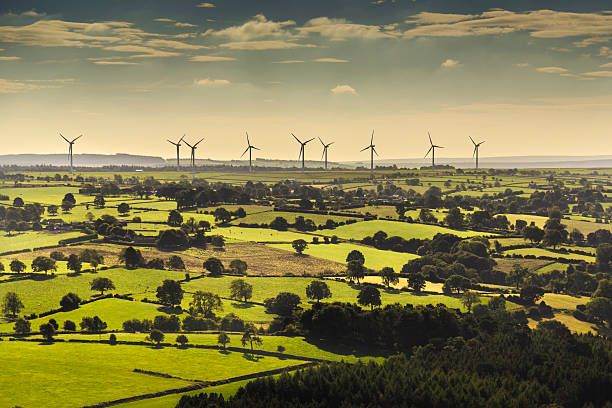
[(64, 138), (171, 142), (256, 148), (472, 139), (321, 142), (187, 143), (372, 138), (309, 140), (198, 142), (299, 141), (181, 139), (430, 149), (246, 150), (329, 144), (374, 150), (75, 139), (248, 141), (365, 148), (430, 142), (323, 154), (481, 142), (475, 149)]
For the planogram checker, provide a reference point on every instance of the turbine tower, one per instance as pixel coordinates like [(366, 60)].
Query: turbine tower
[(70, 143), (476, 147), (372, 151), (250, 150), (302, 145), (178, 145), (432, 149), (325, 147), (193, 149)]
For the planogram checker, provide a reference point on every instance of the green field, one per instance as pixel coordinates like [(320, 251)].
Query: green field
[(545, 252), (405, 230), (32, 239), (374, 258), (259, 234), (266, 217), (585, 227), (70, 374)]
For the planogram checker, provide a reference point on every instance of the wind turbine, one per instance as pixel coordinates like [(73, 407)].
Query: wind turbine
[(302, 145), (432, 149), (372, 151), (250, 150), (325, 146), (476, 146), (70, 143), (193, 149), (178, 145)]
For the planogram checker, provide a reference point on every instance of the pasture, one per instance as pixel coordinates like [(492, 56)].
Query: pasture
[(546, 252), (18, 241)]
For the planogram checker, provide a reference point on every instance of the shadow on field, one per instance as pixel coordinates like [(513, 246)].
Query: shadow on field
[(41, 277), (252, 357), (170, 310), (242, 305), (224, 352), (346, 350)]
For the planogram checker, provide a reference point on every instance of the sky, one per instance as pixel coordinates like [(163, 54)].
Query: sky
[(529, 77)]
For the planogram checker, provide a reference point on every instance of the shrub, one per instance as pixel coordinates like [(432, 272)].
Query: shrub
[(112, 339), (69, 325), (175, 262), (22, 326), (283, 304), (182, 340), (214, 266), (167, 323), (191, 323), (70, 301), (231, 322), (136, 325), (58, 256), (156, 263), (92, 324), (155, 336)]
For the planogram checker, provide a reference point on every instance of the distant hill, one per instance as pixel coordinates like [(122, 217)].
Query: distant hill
[(81, 160)]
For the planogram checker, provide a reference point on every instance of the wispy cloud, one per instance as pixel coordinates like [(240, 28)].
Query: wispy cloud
[(333, 60), (145, 52), (343, 90), (210, 58), (105, 62), (177, 45), (608, 65), (10, 86), (600, 74), (552, 70), (264, 45), (340, 29), (179, 24), (521, 65), (212, 83), (288, 62), (164, 20), (9, 58), (206, 5)]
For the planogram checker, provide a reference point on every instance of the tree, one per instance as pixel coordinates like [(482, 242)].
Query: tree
[(175, 219), (92, 324), (70, 301), (355, 255), (11, 304), (241, 289), (469, 298), (89, 216), (18, 202), (318, 290), (156, 336), (355, 271), (497, 303), (67, 206), (279, 224), (69, 197), (217, 240), (531, 293), (604, 256), (457, 283), (205, 303), (11, 226), (533, 233), (604, 289), (74, 263), (172, 239), (69, 325), (454, 218), (369, 296), (552, 237), (91, 256), (299, 245), (52, 209), (99, 201), (102, 284), (175, 262), (132, 257), (283, 304), (517, 274), (600, 309), (416, 281), (389, 276), (123, 208), (238, 266), (22, 326), (48, 331), (223, 339), (182, 340), (222, 216), (43, 263), (170, 293), (17, 266), (214, 266), (250, 336)]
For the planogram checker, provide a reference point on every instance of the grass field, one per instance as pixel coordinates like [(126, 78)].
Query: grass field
[(70, 374), (405, 230), (585, 227), (553, 266), (260, 234), (545, 252), (374, 258), (268, 216), (32, 239)]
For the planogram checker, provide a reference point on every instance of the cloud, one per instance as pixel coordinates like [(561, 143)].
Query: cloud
[(210, 58), (339, 29), (590, 41), (560, 49), (104, 62), (258, 27), (146, 52), (450, 63), (33, 13), (9, 58), (264, 45), (344, 90), (330, 60), (164, 20), (177, 45), (57, 33), (552, 70), (521, 65), (608, 65), (538, 23), (377, 2), (600, 74), (288, 62), (206, 5), (10, 86), (179, 24), (212, 82), (605, 52)]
